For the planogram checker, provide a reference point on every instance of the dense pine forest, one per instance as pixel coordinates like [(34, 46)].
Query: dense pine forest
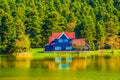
[(27, 24)]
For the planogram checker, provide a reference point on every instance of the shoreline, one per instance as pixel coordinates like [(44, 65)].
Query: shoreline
[(38, 53)]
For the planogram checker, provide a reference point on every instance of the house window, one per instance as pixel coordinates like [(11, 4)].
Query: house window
[(57, 48), (60, 40), (69, 48), (65, 40)]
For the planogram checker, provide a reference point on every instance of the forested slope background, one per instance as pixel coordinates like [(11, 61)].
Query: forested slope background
[(29, 23)]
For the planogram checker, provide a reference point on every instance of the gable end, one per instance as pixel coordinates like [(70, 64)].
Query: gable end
[(63, 34)]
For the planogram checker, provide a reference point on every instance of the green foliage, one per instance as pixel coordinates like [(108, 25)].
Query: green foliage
[(21, 45), (90, 19), (6, 35)]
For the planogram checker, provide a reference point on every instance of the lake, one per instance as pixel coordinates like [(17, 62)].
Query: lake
[(61, 68)]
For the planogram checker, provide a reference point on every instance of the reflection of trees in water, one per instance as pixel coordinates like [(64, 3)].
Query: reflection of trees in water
[(47, 64), (23, 64), (51, 64), (113, 64), (78, 64), (7, 61), (103, 64), (36, 63)]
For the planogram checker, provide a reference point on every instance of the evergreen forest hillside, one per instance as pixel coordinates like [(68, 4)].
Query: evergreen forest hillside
[(29, 23)]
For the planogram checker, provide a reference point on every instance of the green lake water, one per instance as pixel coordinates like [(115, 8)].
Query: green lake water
[(65, 68)]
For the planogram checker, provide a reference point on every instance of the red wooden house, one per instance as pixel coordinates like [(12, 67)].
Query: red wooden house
[(65, 41)]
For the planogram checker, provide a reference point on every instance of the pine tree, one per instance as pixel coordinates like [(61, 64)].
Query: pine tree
[(6, 34)]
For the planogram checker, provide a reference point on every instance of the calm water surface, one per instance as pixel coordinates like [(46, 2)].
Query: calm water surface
[(66, 68)]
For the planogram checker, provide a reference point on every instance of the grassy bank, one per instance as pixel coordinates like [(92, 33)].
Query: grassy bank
[(38, 53)]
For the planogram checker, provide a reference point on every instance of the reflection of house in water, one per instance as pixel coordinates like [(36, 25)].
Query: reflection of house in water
[(71, 63), (57, 63), (63, 63)]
